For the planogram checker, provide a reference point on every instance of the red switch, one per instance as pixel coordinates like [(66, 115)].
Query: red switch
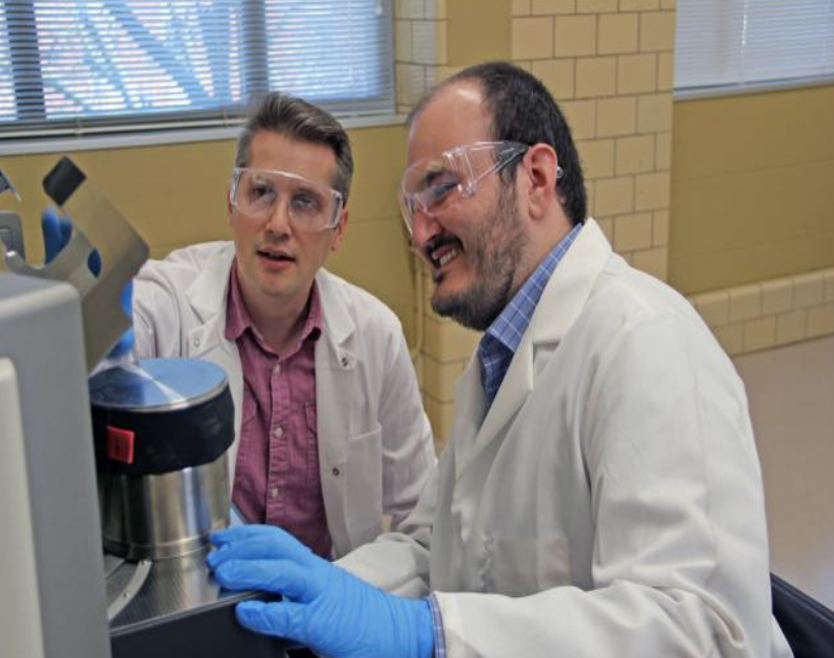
[(120, 444)]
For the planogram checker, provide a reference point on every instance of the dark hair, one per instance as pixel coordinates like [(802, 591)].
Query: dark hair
[(292, 117), (524, 111)]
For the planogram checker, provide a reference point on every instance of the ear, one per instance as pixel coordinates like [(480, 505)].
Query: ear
[(229, 204), (542, 166), (340, 231)]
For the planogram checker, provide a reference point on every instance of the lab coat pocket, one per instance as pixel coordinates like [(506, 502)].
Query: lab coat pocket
[(364, 485), (522, 566)]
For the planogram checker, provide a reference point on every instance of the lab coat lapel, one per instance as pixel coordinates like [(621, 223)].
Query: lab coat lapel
[(517, 384), (476, 443), (207, 296), (567, 292), (336, 367), (563, 298), (469, 411), (335, 371)]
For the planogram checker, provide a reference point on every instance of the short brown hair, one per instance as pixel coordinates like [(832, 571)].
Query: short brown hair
[(295, 118)]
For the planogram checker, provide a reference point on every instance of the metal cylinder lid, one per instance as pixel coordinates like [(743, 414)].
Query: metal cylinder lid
[(161, 415)]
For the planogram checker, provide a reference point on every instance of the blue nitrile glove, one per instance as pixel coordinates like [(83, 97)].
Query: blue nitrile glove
[(324, 607), (56, 234)]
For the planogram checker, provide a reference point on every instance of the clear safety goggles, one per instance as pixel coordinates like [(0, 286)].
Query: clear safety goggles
[(429, 184), (309, 205)]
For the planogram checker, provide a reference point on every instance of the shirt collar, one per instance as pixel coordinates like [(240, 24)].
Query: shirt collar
[(501, 340), (512, 322)]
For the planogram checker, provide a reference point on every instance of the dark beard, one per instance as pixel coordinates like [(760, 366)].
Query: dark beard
[(495, 254)]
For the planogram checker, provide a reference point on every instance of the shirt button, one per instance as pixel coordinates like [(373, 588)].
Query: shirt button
[(273, 493), (278, 432), (277, 369)]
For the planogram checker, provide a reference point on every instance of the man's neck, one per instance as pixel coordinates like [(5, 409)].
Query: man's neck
[(279, 323), (540, 245)]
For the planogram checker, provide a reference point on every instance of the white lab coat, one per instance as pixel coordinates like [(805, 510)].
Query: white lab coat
[(610, 503), (375, 443)]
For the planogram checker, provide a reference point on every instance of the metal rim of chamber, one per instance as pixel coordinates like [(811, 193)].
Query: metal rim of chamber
[(183, 401)]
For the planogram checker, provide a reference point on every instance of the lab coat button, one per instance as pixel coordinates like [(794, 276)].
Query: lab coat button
[(344, 362), (196, 341), (335, 471)]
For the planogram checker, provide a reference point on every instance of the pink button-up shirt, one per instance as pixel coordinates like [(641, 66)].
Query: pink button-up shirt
[(277, 472)]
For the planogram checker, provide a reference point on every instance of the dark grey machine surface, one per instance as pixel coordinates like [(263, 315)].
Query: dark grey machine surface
[(181, 610)]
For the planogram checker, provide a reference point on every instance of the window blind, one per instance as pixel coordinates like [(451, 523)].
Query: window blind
[(66, 65), (733, 43)]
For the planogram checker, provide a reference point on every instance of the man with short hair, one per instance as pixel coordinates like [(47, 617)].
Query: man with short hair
[(331, 432), (600, 494)]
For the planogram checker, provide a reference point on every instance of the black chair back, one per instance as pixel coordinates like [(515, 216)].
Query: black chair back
[(807, 624)]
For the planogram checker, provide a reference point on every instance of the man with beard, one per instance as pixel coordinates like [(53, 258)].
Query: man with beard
[(601, 494)]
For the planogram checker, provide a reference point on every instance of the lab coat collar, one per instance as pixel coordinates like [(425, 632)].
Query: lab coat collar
[(566, 293), (208, 293), (336, 361), (338, 322)]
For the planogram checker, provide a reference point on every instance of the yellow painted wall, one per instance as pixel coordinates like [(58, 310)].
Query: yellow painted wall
[(175, 195), (752, 188), (481, 31)]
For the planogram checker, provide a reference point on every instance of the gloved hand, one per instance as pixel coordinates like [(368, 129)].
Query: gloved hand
[(56, 234), (324, 607)]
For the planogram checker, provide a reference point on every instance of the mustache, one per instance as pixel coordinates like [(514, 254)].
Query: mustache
[(270, 240), (439, 241)]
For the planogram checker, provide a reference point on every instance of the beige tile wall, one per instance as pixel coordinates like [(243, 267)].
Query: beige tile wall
[(772, 313), (609, 64), (420, 48)]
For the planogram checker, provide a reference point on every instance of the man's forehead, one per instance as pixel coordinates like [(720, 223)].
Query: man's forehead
[(276, 151), (454, 116)]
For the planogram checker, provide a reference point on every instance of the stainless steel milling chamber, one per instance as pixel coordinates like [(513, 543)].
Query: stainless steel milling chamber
[(162, 429)]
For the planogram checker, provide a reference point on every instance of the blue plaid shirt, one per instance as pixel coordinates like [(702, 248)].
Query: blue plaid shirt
[(502, 338)]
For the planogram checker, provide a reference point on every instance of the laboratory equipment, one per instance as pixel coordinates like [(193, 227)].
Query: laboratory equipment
[(62, 595)]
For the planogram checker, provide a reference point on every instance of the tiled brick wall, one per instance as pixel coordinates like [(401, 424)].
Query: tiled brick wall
[(609, 64), (771, 313), (447, 348), (420, 48)]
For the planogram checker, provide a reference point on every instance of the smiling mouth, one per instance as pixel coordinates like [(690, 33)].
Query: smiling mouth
[(441, 256)]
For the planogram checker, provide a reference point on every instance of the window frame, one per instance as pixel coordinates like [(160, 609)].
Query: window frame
[(156, 128), (752, 87)]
